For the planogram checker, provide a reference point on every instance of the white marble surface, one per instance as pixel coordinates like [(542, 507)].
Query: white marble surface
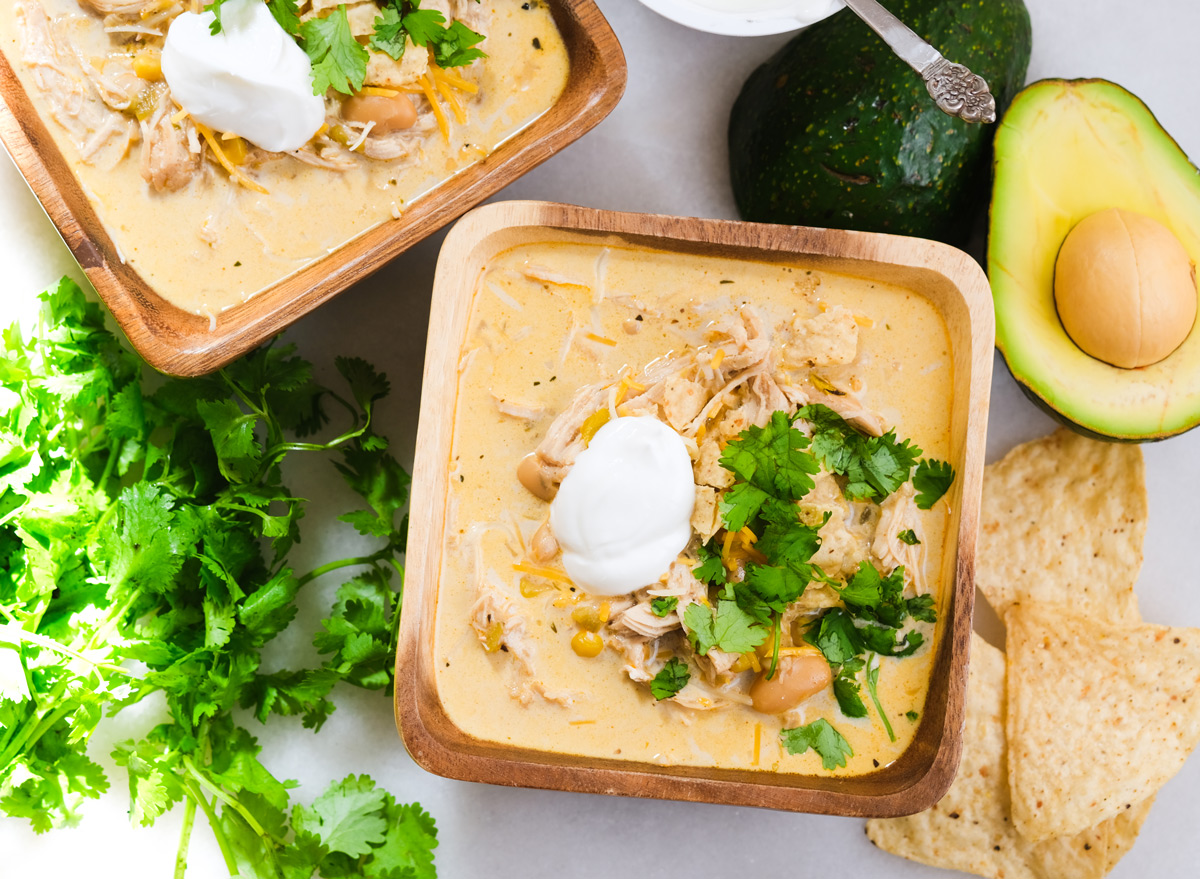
[(662, 150)]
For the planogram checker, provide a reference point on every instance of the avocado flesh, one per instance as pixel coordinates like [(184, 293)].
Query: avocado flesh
[(1065, 150)]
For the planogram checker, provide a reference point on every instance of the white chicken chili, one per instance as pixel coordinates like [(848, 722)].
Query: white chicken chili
[(794, 628), (222, 162)]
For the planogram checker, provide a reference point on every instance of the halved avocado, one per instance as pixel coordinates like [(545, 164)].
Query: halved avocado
[(1065, 150)]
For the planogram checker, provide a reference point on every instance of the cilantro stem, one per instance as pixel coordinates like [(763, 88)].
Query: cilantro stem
[(778, 636), (383, 554), (185, 837), (872, 682), (222, 843), (228, 801), (32, 734), (52, 645), (114, 617)]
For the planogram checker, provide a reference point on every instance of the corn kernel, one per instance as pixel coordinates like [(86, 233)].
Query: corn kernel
[(530, 588), (493, 638), (587, 644), (235, 150), (147, 65), (593, 423), (591, 617)]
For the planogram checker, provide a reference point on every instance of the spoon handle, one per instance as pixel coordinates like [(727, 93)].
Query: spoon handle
[(954, 88)]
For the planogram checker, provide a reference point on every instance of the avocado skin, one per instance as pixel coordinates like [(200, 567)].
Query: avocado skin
[(837, 131)]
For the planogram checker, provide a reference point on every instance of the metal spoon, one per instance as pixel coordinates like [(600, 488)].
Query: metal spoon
[(954, 88)]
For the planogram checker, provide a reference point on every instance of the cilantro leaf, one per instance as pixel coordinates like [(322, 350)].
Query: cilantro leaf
[(672, 678), (661, 605), (407, 848), (287, 13), (389, 37), (912, 716), (932, 480), (849, 697), (710, 570), (740, 504), (772, 458), (909, 536), (455, 47), (921, 608), (730, 628), (821, 736), (836, 636), (424, 26), (347, 817), (338, 61), (214, 26), (873, 466)]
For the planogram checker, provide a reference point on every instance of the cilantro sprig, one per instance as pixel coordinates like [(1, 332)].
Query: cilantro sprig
[(339, 62), (402, 20), (773, 469), (822, 737), (146, 535), (670, 679)]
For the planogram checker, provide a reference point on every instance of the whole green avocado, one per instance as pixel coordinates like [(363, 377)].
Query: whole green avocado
[(837, 131)]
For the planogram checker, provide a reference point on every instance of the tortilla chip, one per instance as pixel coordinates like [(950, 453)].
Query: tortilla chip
[(1099, 716), (1125, 830), (1063, 521), (970, 829)]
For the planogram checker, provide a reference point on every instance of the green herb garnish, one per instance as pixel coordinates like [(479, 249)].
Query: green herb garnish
[(875, 466), (672, 678), (932, 480), (822, 738), (146, 539), (661, 605), (339, 62), (402, 20), (729, 628), (909, 536), (872, 688)]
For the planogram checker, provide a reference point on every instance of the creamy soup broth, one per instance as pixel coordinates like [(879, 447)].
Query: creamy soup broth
[(529, 302)]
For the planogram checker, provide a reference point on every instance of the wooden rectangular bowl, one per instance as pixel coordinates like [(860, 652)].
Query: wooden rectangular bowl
[(176, 342), (946, 276)]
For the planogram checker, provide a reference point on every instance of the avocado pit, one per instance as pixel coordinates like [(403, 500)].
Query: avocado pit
[(1125, 288)]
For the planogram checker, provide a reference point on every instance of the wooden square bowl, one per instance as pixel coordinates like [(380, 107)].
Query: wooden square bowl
[(180, 343), (948, 278)]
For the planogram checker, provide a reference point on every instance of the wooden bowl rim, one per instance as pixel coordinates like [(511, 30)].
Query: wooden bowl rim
[(548, 770)]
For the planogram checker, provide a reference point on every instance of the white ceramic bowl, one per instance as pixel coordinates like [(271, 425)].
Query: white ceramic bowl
[(745, 18)]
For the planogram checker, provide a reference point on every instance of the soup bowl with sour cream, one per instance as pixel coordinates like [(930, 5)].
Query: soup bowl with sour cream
[(745, 18), (694, 510)]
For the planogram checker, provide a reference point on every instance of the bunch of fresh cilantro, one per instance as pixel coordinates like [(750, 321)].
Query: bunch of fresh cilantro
[(144, 540), (773, 468), (339, 61)]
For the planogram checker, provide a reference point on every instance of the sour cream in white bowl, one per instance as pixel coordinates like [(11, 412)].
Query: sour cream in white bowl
[(745, 18)]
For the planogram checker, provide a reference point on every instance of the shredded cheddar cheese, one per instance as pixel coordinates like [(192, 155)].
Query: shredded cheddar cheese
[(215, 146), (453, 79), (543, 572), (438, 112)]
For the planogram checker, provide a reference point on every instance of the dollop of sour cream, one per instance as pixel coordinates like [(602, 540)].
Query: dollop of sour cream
[(250, 79), (623, 513)]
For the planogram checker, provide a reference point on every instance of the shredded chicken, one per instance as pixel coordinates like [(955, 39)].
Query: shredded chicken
[(493, 607), (898, 513), (102, 136), (168, 161)]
